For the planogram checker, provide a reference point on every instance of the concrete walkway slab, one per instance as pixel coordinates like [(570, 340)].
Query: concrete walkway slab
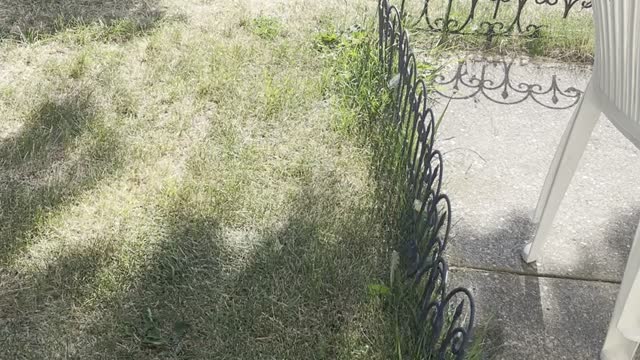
[(496, 159), (539, 318)]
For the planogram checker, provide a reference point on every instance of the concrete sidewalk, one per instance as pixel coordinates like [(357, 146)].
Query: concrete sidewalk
[(495, 160)]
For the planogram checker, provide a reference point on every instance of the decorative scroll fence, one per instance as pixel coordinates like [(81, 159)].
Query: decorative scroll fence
[(448, 23), (445, 317)]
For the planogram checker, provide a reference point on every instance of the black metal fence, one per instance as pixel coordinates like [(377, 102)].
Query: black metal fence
[(505, 16), (446, 318)]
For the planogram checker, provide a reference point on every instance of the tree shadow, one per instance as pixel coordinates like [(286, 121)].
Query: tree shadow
[(36, 307), (61, 151), (66, 309), (168, 311), (28, 20), (208, 291)]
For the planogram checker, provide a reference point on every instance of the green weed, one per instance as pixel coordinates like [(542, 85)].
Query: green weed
[(80, 65), (267, 28), (366, 115)]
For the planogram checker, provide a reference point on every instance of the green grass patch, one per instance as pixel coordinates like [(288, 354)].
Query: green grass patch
[(365, 116), (265, 27)]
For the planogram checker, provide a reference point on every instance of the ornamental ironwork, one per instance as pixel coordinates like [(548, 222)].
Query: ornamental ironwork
[(445, 317), (448, 23)]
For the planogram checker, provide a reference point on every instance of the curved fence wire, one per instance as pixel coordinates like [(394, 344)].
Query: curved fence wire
[(445, 317)]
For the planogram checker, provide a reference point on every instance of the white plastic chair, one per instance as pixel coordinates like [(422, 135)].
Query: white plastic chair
[(614, 90)]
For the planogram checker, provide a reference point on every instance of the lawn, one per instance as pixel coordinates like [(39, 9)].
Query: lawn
[(179, 180)]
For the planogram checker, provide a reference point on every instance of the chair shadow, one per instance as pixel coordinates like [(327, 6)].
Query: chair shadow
[(616, 244), (499, 248), (29, 19), (49, 162), (527, 317)]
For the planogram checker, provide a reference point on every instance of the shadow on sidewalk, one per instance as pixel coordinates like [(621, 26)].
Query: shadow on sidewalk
[(508, 81), (526, 316)]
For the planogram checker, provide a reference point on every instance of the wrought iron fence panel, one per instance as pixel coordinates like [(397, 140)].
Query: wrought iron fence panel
[(499, 21), (446, 318)]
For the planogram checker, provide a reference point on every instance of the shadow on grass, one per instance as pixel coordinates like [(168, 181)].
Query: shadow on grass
[(36, 308), (29, 20), (295, 291), (48, 162)]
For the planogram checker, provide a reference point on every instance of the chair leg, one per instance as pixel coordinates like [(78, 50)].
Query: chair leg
[(572, 145), (623, 335)]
